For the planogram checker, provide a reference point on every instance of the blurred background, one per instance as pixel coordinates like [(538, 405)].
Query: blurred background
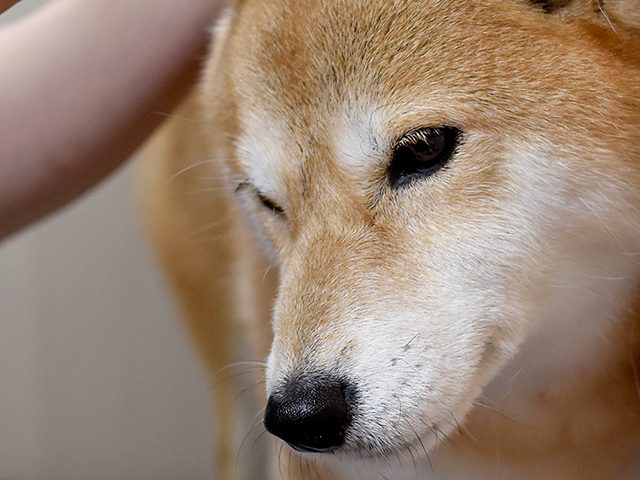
[(97, 377)]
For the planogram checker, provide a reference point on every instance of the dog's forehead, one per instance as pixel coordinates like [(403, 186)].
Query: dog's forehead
[(292, 91), (355, 74), (300, 56)]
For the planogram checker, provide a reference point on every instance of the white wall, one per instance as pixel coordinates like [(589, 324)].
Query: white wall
[(97, 379)]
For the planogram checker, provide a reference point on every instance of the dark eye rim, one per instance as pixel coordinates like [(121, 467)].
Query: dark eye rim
[(402, 172), (264, 200), (270, 204)]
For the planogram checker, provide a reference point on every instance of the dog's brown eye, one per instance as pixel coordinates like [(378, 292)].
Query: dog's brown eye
[(421, 153)]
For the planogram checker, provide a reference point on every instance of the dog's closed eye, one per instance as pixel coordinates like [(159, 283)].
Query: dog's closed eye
[(270, 204), (261, 197), (421, 153)]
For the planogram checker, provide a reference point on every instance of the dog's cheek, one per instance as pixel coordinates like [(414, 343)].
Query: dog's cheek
[(414, 376), (443, 342)]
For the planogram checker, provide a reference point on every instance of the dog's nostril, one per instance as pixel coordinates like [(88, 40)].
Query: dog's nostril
[(309, 414)]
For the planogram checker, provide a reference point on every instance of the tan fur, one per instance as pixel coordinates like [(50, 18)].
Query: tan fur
[(549, 172)]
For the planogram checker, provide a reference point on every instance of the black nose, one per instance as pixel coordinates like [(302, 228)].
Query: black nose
[(309, 413)]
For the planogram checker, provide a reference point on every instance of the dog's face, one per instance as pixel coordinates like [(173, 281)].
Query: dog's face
[(415, 166)]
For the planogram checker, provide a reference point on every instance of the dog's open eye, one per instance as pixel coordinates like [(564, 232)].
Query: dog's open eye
[(421, 153)]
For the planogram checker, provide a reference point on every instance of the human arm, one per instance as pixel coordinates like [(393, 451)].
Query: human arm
[(83, 83), (6, 4)]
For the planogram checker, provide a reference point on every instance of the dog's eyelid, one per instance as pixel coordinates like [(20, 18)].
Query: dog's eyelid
[(421, 153), (262, 198), (270, 204)]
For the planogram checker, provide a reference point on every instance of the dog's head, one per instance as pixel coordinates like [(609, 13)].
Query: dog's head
[(415, 166)]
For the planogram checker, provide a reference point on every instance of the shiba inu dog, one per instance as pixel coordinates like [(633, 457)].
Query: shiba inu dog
[(449, 192)]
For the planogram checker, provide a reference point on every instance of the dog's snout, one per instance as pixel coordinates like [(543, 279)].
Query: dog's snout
[(310, 414)]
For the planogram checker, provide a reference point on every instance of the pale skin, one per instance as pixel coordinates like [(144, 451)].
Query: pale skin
[(82, 84)]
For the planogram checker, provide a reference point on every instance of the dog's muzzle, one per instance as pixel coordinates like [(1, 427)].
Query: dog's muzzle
[(310, 413)]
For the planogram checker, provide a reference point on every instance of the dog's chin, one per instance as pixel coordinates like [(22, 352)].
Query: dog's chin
[(420, 446), (364, 445), (376, 458)]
